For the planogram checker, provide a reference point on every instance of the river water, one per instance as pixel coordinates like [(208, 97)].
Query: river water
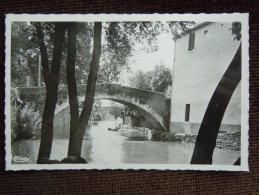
[(101, 146)]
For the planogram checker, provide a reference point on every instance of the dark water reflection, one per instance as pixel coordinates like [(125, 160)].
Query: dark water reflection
[(101, 146)]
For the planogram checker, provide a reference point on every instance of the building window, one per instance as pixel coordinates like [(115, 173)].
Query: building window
[(191, 41), (187, 112)]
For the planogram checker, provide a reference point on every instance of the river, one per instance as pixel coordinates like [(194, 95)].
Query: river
[(101, 146)]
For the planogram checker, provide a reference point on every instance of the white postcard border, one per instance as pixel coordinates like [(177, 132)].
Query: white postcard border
[(243, 18)]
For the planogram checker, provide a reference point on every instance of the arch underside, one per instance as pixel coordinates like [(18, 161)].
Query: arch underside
[(149, 117), (158, 125)]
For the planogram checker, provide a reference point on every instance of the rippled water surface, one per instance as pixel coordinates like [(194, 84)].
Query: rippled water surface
[(101, 146)]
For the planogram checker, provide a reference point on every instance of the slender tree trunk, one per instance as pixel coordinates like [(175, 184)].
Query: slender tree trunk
[(52, 81), (90, 91), (72, 91), (124, 117), (208, 132), (44, 55), (33, 72)]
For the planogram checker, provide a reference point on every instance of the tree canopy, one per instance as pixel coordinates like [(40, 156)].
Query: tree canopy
[(156, 80), (119, 41)]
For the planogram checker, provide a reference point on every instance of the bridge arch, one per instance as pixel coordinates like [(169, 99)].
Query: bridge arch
[(145, 111), (154, 106), (150, 115)]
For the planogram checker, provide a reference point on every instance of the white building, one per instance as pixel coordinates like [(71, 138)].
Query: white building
[(201, 58)]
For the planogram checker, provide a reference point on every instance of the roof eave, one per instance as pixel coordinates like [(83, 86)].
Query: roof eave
[(201, 25)]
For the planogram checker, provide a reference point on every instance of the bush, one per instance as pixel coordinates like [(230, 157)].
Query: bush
[(29, 122)]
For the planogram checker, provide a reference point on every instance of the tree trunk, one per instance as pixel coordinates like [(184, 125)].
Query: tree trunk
[(124, 117), (72, 91), (52, 81), (44, 55), (91, 82), (208, 132)]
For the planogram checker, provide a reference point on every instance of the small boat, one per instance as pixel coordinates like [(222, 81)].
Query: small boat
[(110, 129)]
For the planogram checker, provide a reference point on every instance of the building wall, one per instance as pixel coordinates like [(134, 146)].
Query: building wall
[(196, 74)]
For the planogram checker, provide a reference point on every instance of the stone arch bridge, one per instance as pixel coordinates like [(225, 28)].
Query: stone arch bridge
[(154, 106)]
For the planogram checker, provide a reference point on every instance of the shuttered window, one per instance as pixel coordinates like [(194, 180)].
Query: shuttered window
[(187, 112), (191, 41)]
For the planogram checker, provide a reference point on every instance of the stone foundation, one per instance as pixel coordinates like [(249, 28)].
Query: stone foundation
[(230, 141)]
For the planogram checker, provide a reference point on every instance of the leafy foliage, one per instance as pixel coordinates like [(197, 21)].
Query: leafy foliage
[(236, 30), (116, 110), (120, 39), (156, 80), (141, 80), (162, 77), (178, 27), (116, 50), (84, 40), (23, 53), (29, 121), (123, 39)]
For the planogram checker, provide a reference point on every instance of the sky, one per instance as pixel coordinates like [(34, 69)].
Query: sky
[(147, 62)]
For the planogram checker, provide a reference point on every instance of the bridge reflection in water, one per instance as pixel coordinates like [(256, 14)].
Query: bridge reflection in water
[(101, 146)]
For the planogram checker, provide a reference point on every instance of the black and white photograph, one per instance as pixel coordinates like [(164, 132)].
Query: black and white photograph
[(136, 91)]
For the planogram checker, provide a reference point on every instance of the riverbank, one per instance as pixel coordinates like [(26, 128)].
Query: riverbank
[(231, 141)]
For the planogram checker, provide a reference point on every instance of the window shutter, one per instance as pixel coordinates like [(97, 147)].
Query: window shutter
[(187, 112), (191, 41)]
